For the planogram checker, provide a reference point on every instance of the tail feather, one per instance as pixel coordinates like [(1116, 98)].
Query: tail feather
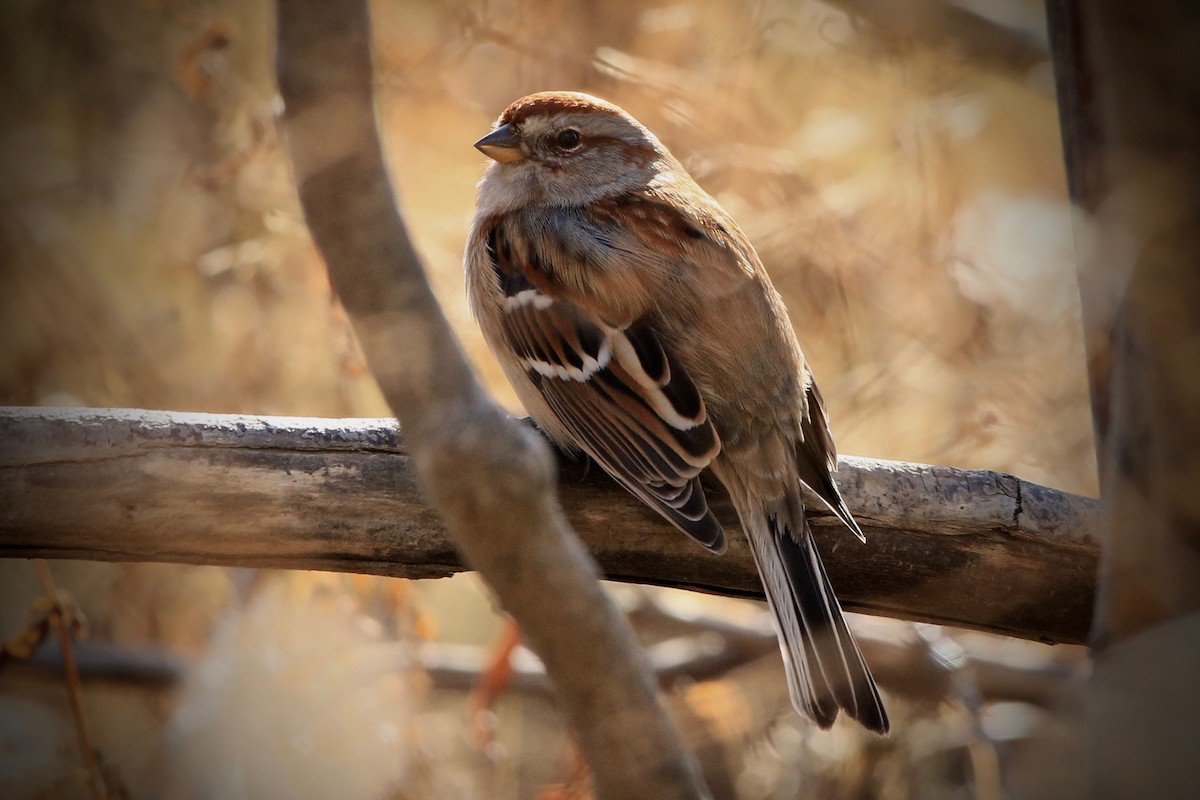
[(825, 669)]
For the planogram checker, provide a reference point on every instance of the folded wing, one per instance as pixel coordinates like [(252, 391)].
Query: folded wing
[(619, 393)]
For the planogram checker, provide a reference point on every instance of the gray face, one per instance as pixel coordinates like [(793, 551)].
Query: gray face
[(576, 158)]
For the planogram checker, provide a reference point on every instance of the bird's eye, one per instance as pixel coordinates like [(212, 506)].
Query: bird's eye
[(568, 139)]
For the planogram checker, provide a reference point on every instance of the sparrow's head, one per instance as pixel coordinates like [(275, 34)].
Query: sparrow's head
[(568, 148)]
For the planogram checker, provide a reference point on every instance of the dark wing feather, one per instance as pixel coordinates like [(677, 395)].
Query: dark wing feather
[(817, 458), (616, 390)]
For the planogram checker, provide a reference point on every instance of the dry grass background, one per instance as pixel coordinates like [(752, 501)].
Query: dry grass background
[(903, 185)]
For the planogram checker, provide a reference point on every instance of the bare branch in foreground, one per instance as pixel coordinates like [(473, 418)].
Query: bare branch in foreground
[(968, 548), (490, 479)]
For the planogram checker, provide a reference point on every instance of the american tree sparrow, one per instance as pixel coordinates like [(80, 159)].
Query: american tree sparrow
[(638, 325)]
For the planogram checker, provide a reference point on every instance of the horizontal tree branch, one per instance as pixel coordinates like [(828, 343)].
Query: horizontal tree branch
[(904, 668), (969, 548)]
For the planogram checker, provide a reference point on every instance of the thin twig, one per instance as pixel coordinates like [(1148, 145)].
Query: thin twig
[(949, 655), (71, 679)]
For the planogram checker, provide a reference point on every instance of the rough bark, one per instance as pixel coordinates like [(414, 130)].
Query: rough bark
[(969, 548), (491, 480)]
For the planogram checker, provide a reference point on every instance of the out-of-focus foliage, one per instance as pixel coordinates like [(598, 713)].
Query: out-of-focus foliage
[(904, 186)]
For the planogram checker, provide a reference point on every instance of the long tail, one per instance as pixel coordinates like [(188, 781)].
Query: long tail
[(825, 669)]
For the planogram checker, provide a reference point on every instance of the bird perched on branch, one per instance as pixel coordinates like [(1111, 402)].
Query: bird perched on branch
[(637, 324)]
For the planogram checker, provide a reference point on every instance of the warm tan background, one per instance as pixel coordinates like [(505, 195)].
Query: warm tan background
[(899, 172)]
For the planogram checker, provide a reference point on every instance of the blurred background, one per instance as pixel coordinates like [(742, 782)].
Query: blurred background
[(898, 167)]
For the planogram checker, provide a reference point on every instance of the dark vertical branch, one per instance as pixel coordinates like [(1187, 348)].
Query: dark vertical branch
[(1130, 99), (491, 479), (1130, 81), (1074, 79)]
